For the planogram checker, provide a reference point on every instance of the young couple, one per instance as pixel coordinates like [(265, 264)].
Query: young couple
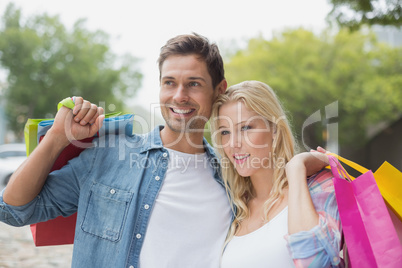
[(255, 205)]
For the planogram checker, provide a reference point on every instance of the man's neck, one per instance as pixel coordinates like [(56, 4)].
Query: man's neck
[(186, 142)]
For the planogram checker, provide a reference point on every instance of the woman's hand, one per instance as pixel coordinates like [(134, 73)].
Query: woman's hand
[(307, 163)]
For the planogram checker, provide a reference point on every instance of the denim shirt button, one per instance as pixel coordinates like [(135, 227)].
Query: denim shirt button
[(131, 266), (146, 206), (138, 236), (157, 178), (113, 191), (164, 154)]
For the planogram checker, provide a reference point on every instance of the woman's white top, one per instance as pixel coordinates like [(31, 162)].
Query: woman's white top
[(265, 247)]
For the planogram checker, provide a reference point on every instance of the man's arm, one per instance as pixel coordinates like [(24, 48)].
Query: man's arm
[(27, 181)]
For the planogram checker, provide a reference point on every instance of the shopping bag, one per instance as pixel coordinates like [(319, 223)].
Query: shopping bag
[(61, 230), (397, 224), (389, 181), (30, 134), (367, 227)]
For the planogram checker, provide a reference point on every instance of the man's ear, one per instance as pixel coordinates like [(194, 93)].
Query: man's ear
[(222, 86)]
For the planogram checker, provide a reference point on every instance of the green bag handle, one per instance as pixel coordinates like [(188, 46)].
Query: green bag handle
[(69, 103), (31, 126)]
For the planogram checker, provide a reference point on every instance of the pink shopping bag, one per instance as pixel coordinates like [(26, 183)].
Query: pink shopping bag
[(369, 232)]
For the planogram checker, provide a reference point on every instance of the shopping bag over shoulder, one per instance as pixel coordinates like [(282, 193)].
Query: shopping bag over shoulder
[(389, 181), (61, 230), (369, 233)]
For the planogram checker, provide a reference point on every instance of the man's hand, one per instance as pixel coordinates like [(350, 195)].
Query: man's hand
[(69, 125), (82, 122)]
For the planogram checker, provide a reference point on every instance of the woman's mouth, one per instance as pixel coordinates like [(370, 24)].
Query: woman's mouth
[(240, 158)]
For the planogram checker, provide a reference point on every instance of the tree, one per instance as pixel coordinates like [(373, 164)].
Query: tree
[(309, 72), (354, 13), (46, 63)]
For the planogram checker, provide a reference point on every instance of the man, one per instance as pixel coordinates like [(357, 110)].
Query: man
[(164, 204)]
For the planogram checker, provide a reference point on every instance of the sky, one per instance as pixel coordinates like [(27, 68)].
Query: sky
[(141, 28)]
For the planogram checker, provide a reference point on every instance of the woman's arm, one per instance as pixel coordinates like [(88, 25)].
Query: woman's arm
[(302, 214), (314, 225)]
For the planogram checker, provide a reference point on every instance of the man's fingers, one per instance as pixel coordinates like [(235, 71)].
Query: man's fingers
[(97, 125), (78, 104), (84, 109), (90, 114), (96, 115)]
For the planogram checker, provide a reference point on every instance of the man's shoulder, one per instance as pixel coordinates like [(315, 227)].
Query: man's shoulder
[(119, 140)]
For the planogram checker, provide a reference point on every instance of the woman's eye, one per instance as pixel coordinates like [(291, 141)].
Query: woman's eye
[(224, 132), (245, 128)]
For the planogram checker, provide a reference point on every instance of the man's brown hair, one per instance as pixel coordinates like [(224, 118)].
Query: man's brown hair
[(199, 45)]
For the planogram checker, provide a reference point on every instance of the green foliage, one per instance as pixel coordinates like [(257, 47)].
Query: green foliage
[(353, 13), (309, 72), (46, 63)]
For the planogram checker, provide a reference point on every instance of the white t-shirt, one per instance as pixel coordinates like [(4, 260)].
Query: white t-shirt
[(190, 218), (265, 247)]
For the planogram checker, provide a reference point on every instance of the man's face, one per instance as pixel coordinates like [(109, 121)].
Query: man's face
[(186, 93)]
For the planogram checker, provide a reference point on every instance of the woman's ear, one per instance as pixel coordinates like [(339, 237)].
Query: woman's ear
[(274, 129)]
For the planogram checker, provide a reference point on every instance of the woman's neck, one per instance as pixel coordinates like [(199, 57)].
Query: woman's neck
[(262, 184)]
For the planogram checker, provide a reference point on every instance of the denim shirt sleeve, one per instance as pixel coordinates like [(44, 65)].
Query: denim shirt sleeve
[(58, 197), (320, 246)]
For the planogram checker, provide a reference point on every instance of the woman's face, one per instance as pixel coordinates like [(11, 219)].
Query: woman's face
[(246, 139)]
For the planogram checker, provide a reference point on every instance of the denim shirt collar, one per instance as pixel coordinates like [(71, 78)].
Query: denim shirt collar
[(152, 140)]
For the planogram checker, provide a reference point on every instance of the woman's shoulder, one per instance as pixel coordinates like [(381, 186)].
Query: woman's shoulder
[(321, 182)]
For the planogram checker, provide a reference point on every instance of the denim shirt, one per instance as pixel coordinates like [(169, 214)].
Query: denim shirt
[(113, 186)]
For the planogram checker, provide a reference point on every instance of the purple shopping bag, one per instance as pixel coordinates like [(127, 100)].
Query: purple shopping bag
[(369, 232)]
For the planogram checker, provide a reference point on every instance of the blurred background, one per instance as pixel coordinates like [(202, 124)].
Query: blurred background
[(335, 64)]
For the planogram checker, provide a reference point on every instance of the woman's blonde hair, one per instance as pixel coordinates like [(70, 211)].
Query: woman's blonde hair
[(261, 99)]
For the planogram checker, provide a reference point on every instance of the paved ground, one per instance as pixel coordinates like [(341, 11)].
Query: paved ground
[(18, 250)]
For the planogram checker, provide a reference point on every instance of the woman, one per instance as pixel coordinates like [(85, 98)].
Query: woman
[(282, 218)]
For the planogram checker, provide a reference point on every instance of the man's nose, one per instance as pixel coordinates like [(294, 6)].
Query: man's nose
[(181, 94)]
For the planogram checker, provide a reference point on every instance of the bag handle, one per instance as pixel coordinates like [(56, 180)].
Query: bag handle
[(70, 103), (351, 164), (337, 169)]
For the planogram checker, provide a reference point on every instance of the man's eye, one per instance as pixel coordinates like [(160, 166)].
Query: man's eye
[(194, 84), (168, 83)]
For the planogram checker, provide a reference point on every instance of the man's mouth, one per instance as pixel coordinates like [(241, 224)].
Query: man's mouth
[(182, 111)]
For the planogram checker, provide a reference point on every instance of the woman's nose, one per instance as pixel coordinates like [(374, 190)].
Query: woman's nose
[(235, 141)]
